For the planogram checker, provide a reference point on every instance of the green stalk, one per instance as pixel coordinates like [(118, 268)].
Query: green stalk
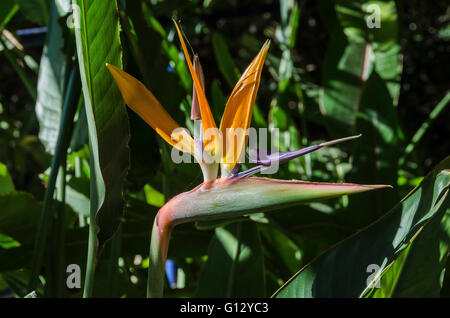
[(60, 232), (159, 245), (92, 256), (160, 237), (9, 16), (12, 60), (65, 133)]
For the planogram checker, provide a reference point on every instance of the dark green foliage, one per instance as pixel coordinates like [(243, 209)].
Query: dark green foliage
[(328, 74)]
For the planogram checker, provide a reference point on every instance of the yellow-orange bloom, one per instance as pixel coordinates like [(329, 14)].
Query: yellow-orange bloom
[(237, 115)]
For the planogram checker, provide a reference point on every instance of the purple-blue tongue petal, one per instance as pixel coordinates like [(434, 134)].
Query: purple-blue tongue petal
[(264, 160), (280, 157)]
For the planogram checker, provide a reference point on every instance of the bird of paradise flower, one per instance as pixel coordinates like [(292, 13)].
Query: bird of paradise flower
[(235, 192)]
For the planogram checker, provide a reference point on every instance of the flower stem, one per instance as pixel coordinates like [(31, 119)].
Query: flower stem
[(91, 257), (60, 232), (159, 245)]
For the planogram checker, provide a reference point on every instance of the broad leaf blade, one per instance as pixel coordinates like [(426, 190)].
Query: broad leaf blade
[(53, 73), (344, 75), (357, 50), (376, 154), (342, 271), (235, 263), (98, 42), (418, 271), (361, 84)]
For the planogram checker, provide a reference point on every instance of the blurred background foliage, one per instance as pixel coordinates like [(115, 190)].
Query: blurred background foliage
[(327, 75)]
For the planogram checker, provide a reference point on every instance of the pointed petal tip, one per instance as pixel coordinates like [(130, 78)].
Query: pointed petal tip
[(266, 46), (110, 66), (115, 71), (368, 186), (336, 141), (205, 111), (379, 186)]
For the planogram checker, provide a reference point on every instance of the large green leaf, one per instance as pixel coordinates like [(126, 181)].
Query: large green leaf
[(343, 271), (361, 84), (375, 154), (98, 42), (53, 73), (418, 272), (282, 251), (355, 51), (235, 263), (317, 223)]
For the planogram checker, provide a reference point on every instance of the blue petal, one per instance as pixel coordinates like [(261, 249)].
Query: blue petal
[(264, 160)]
